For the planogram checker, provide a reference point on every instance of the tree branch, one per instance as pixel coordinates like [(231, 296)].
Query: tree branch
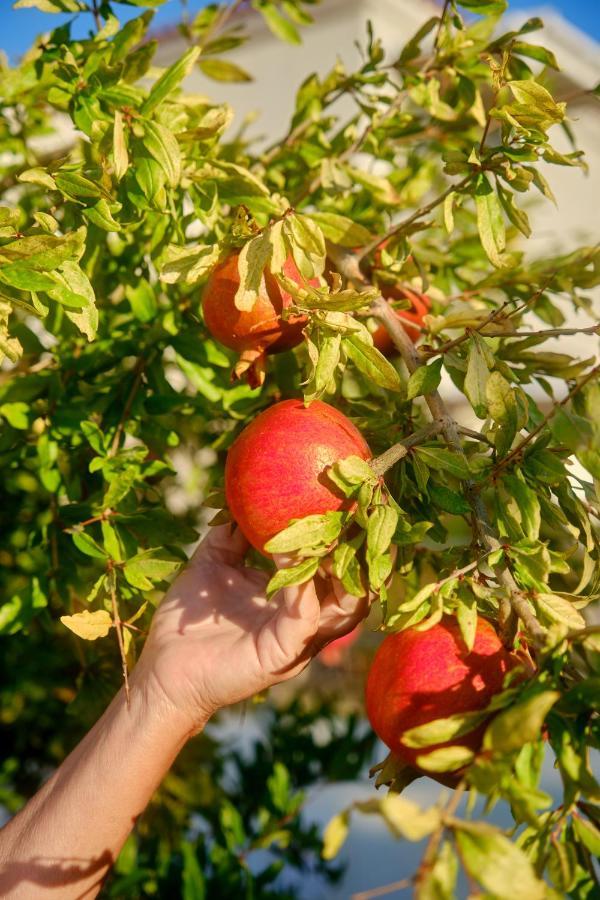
[(96, 14), (398, 451), (544, 333), (516, 603), (422, 211), (516, 451), (112, 580), (137, 380)]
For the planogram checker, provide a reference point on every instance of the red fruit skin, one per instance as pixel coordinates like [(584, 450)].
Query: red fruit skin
[(417, 677), (421, 304), (275, 470), (262, 327)]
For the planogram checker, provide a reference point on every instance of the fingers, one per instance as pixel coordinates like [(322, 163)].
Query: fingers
[(295, 623), (222, 543)]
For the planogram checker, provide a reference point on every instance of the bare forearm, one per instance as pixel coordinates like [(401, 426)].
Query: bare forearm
[(63, 842)]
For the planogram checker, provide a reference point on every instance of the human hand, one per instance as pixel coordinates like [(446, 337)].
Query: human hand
[(216, 640)]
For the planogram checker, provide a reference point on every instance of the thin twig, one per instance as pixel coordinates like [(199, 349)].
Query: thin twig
[(220, 22), (383, 890), (515, 600), (516, 451), (138, 370), (102, 517), (96, 14), (438, 834), (419, 213), (112, 580), (354, 147), (398, 451), (543, 333)]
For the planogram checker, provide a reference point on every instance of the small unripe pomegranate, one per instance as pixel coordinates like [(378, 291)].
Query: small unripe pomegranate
[(420, 307), (419, 676), (276, 468), (259, 330)]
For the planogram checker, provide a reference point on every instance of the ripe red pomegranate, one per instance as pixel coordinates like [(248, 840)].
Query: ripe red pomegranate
[(420, 306), (420, 676), (275, 470), (255, 332)]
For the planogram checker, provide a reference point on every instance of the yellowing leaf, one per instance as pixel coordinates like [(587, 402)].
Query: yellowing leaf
[(335, 834), (89, 625)]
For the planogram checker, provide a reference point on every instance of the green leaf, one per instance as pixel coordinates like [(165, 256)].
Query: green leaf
[(476, 379), (495, 862), (89, 625), (142, 570), (223, 70), (346, 566), (406, 819), (142, 300), (291, 575), (38, 176), (335, 834), (187, 264), (84, 542), (74, 279), (163, 146), (307, 245), (490, 222), (25, 279), (341, 230), (466, 613), (48, 222), (444, 460), (552, 608), (44, 252), (193, 881), (253, 259), (485, 7), (349, 473), (520, 723), (371, 362), (329, 346), (169, 80), (439, 731), (524, 505), (51, 6), (75, 185), (281, 27), (502, 407), (517, 216), (588, 834), (120, 155), (570, 429), (101, 215), (151, 178), (448, 212), (446, 759), (16, 414), (306, 533), (380, 530), (532, 94), (424, 380), (448, 500)]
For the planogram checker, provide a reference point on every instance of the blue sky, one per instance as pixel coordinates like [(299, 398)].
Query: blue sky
[(18, 28)]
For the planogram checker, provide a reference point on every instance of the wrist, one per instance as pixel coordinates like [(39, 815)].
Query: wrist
[(159, 710)]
